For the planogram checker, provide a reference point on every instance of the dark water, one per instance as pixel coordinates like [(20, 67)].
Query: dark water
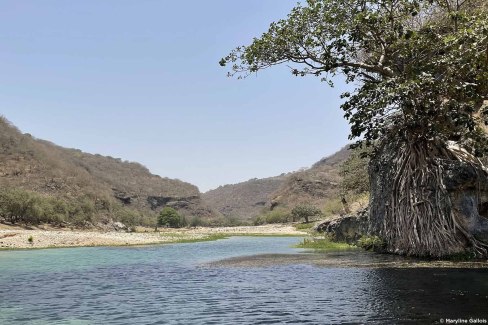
[(181, 284)]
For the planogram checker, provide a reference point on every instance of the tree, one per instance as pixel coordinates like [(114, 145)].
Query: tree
[(169, 217), (305, 211), (354, 172), (421, 74)]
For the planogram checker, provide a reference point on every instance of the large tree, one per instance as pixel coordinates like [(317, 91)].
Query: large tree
[(421, 74)]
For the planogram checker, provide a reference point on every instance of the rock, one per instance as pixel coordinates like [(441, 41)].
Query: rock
[(119, 226), (122, 196), (110, 225), (348, 228), (468, 190)]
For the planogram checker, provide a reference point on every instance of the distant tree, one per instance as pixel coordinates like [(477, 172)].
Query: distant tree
[(305, 211), (169, 217), (354, 172)]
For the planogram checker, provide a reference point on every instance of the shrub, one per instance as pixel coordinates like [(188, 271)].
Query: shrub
[(374, 243), (305, 211), (170, 218), (274, 216), (354, 172), (195, 222)]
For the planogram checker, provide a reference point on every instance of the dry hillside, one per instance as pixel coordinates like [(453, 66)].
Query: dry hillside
[(42, 167), (244, 200), (314, 185), (249, 199)]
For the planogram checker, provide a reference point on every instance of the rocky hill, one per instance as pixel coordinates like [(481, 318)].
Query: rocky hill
[(249, 199), (42, 167), (244, 200), (314, 185)]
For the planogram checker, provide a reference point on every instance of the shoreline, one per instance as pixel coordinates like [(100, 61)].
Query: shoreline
[(15, 238)]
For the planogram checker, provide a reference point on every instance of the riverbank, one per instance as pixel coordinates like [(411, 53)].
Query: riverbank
[(19, 238)]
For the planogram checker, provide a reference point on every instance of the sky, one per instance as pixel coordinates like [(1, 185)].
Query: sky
[(140, 80)]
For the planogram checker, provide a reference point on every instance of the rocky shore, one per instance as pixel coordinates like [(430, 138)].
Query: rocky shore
[(19, 238)]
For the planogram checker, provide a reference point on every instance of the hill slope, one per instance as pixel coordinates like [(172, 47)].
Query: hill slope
[(244, 200), (42, 167), (248, 199)]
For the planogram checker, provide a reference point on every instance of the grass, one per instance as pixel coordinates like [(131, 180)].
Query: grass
[(262, 235), (211, 237), (304, 226), (323, 244), (373, 243)]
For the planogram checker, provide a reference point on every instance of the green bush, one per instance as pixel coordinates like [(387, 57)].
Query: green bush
[(305, 211), (274, 216), (354, 172), (371, 243), (170, 218)]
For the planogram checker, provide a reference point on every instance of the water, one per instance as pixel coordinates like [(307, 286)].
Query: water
[(180, 284)]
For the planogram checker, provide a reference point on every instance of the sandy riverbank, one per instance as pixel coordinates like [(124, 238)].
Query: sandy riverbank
[(18, 238)]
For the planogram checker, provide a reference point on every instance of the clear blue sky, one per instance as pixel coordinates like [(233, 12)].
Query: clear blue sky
[(140, 80)]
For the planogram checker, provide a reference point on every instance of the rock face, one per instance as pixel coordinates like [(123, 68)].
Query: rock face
[(466, 185), (468, 189), (349, 228)]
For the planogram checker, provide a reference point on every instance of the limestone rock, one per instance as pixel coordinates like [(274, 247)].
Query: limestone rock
[(348, 228)]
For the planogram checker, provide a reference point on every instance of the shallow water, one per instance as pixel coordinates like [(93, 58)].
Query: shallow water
[(208, 283)]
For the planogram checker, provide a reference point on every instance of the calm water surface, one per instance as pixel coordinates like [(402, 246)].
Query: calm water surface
[(181, 284)]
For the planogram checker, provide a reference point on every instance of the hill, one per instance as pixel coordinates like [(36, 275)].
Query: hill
[(248, 199), (314, 186), (244, 200), (108, 187)]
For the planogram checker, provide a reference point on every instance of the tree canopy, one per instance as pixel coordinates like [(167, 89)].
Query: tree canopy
[(420, 71), (305, 211), (420, 67), (169, 217)]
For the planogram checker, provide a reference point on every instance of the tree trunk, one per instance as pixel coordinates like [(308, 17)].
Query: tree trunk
[(410, 206)]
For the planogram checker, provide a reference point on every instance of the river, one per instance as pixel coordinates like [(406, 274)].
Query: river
[(241, 280)]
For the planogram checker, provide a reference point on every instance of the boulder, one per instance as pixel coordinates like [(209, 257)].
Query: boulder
[(348, 228)]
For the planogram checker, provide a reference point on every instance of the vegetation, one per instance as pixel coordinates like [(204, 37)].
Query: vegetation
[(304, 226), (421, 72), (371, 243), (333, 207), (305, 211), (26, 207), (56, 185), (278, 215), (354, 172), (181, 238), (323, 244), (30, 240), (170, 218)]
